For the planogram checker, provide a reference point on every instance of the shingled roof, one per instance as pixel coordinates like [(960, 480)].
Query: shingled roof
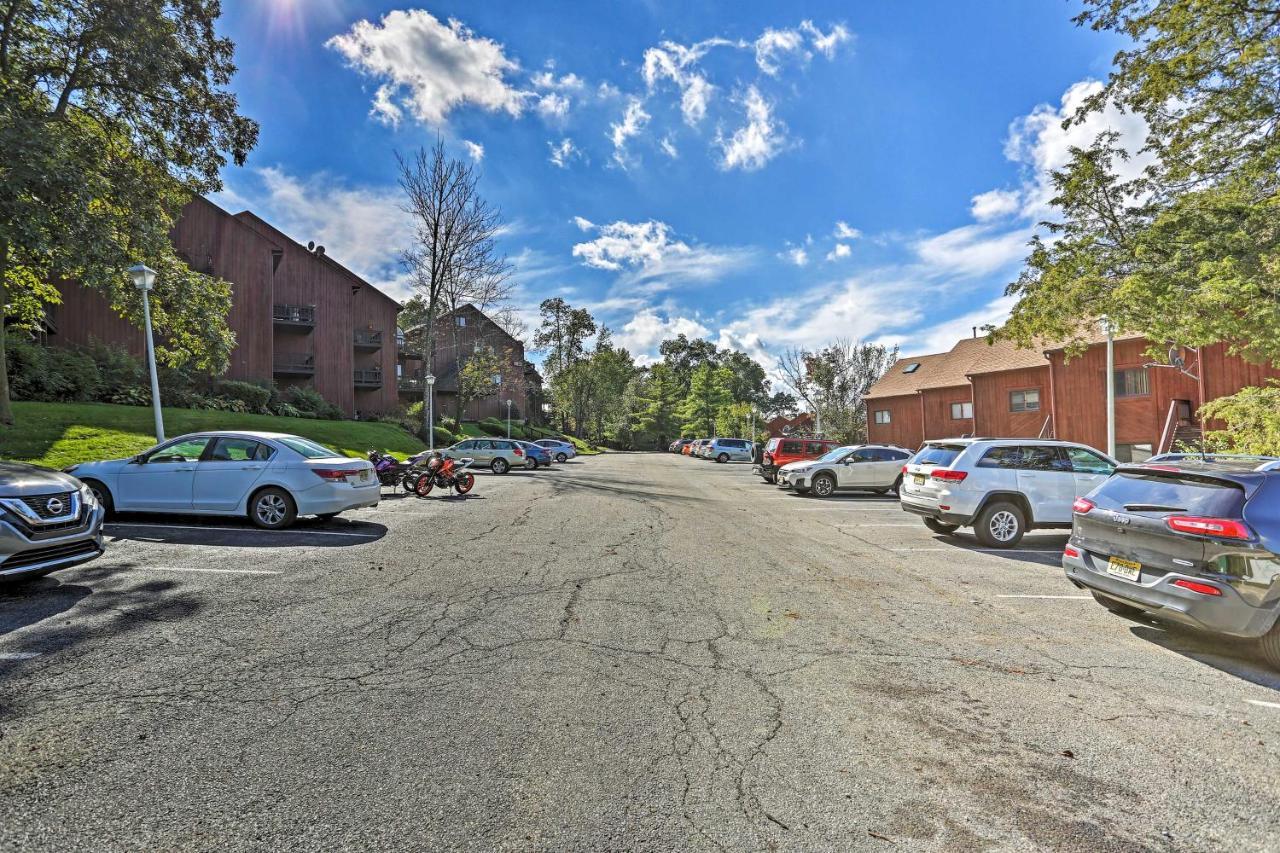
[(901, 378), (950, 369)]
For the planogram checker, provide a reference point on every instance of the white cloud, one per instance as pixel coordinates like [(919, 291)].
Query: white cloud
[(648, 253), (583, 223), (757, 141), (678, 63), (841, 250), (797, 256), (973, 250), (826, 43), (474, 150), (633, 121), (844, 232), (995, 204), (566, 83), (643, 332), (362, 228), (606, 91), (553, 106), (563, 152), (431, 67), (668, 147), (773, 44)]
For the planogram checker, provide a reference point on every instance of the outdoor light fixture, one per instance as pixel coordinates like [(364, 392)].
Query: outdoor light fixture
[(508, 418), (430, 379), (144, 278)]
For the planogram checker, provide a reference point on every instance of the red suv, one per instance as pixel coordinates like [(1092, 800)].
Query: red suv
[(780, 450)]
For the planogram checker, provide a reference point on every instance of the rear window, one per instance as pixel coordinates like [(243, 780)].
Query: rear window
[(1171, 493), (772, 445), (793, 447), (938, 454), (733, 442), (308, 448)]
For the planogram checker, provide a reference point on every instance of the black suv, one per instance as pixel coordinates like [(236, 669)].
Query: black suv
[(1193, 541)]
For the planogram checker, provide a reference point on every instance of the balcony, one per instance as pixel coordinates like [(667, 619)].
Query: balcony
[(368, 378), (409, 352), (293, 365), (294, 316), (367, 340), (410, 387)]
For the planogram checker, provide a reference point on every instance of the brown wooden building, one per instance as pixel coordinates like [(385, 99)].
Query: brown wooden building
[(1005, 392), (458, 335), (300, 317)]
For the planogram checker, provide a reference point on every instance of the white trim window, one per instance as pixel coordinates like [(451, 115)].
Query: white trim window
[(962, 411), (882, 416)]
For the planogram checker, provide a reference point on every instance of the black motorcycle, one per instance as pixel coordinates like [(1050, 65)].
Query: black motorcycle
[(391, 471)]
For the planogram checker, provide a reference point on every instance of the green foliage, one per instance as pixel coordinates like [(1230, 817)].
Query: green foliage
[(494, 427), (308, 401), (1252, 418), (41, 373), (1189, 252), (475, 378), (444, 437), (254, 397), (708, 394), (118, 370)]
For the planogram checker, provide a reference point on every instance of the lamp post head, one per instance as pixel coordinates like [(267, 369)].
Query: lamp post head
[(508, 404), (143, 276), (430, 379)]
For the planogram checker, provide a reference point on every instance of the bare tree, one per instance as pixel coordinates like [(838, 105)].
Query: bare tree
[(454, 255), (833, 380)]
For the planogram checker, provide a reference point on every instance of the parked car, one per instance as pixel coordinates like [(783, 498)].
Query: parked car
[(535, 455), (561, 450), (499, 455), (692, 448), (853, 468), (1000, 487), (1259, 462), (48, 521), (1191, 542), (680, 444), (728, 450), (270, 477), (783, 450)]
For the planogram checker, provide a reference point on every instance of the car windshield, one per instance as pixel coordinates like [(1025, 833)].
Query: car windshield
[(1160, 492), (308, 448), (836, 454)]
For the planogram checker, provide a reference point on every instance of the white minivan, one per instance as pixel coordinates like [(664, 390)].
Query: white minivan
[(1001, 487)]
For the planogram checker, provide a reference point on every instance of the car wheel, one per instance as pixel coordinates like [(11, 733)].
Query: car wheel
[(101, 494), (560, 457), (272, 509), (722, 458), (1000, 525), (1269, 647), (531, 464), (940, 528), (1116, 607), (823, 486), (499, 466)]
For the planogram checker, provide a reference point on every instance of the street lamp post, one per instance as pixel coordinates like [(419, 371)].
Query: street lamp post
[(144, 278), (1111, 386), (508, 418), (430, 379)]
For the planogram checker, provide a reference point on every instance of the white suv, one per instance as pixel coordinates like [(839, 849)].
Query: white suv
[(1002, 487), (858, 467)]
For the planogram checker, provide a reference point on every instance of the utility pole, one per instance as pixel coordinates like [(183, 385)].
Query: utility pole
[(1111, 386)]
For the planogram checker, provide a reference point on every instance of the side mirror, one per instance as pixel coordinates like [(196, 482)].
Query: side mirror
[(140, 459)]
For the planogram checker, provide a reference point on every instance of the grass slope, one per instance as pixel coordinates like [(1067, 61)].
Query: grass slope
[(60, 434)]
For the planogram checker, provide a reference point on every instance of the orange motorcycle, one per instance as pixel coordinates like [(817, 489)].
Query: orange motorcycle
[(446, 473)]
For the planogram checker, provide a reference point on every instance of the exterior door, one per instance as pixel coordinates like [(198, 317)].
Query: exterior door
[(227, 473), (1089, 469), (886, 467), (1045, 477), (163, 483)]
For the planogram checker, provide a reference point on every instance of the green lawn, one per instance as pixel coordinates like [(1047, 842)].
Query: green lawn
[(472, 429), (60, 434)]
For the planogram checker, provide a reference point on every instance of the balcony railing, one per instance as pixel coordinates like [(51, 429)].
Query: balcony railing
[(368, 378), (294, 365), (410, 386), (293, 315), (367, 339)]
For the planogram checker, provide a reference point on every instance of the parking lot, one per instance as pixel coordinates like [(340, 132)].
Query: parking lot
[(639, 651)]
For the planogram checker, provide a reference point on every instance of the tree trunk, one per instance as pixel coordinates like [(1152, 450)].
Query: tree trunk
[(6, 409)]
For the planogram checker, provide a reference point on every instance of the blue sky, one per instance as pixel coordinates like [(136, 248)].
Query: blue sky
[(764, 175)]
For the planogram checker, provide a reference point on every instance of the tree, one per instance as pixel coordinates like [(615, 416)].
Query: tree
[(656, 418), (563, 335), (1189, 252), (454, 251), (708, 394), (1252, 419), (833, 380), (684, 356), (112, 113), (476, 376)]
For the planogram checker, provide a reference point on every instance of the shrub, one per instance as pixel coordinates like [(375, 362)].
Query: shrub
[(1252, 419), (285, 410), (50, 374), (443, 437), (493, 426), (77, 373), (447, 422), (254, 397), (330, 412), (303, 399), (134, 395), (414, 412), (177, 387), (118, 371)]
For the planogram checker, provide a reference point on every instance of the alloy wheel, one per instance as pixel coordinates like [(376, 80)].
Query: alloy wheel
[(1003, 526), (271, 509)]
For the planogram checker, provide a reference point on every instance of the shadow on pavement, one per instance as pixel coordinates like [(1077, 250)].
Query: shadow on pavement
[(25, 603), (228, 532), (1230, 655)]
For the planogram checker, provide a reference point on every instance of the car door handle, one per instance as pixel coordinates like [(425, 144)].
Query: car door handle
[(250, 467)]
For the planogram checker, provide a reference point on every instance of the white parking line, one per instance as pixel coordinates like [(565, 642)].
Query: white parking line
[(880, 524), (1063, 597), (295, 531), (988, 550), (1262, 704), (18, 655), (210, 571)]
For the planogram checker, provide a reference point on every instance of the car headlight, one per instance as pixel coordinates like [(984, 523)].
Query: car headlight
[(86, 495)]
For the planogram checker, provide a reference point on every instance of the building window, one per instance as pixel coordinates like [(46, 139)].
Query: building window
[(912, 367), (1132, 382), (1025, 401), (460, 320), (961, 411), (497, 379), (882, 416)]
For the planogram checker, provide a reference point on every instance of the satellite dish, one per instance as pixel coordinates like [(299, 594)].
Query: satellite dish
[(311, 245), (319, 250), (1176, 359)]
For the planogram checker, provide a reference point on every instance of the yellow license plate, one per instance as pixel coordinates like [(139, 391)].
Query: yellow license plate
[(1127, 569), (919, 478)]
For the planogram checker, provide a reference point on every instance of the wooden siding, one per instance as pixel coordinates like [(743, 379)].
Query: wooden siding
[(454, 343), (85, 316), (991, 402), (904, 427), (936, 406)]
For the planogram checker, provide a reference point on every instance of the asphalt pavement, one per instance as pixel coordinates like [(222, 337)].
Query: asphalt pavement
[(626, 652)]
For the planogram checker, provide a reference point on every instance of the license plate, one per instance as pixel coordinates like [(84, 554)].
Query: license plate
[(1127, 569), (918, 478)]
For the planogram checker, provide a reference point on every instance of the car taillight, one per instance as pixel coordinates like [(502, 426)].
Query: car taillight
[(331, 473), (1082, 505), (1202, 588), (1071, 551), (948, 475), (519, 452), (904, 470), (1222, 528)]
